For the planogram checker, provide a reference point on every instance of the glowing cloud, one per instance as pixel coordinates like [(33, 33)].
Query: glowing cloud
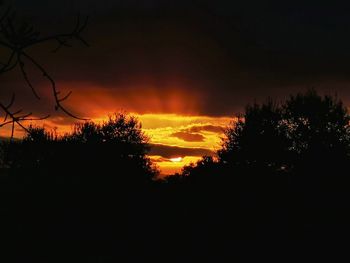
[(176, 160), (175, 140)]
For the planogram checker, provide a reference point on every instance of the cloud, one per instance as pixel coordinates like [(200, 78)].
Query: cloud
[(160, 159), (189, 137), (195, 132), (168, 152), (209, 128), (198, 64)]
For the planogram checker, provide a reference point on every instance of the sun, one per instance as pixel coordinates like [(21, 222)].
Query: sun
[(176, 160)]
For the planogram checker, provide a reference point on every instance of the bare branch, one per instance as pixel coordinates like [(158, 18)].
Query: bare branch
[(12, 130), (15, 118), (62, 39), (54, 88), (66, 97), (17, 40), (17, 112), (10, 64), (61, 43), (6, 14), (11, 101), (25, 76)]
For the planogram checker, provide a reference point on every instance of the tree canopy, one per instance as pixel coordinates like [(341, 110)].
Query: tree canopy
[(115, 149), (306, 128)]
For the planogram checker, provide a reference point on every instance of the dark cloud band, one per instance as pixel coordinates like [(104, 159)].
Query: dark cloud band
[(174, 151)]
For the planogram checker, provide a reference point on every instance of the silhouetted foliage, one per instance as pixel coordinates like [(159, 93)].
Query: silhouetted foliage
[(279, 179), (257, 139), (283, 167), (317, 123), (115, 149), (306, 130)]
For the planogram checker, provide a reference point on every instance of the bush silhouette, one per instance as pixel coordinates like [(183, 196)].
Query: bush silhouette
[(113, 151), (306, 132), (256, 139), (279, 177)]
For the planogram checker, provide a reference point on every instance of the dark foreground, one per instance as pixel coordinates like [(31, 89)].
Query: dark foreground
[(104, 222), (278, 191)]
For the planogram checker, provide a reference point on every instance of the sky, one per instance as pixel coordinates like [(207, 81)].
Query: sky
[(185, 68)]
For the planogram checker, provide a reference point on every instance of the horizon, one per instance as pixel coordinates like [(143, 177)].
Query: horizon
[(175, 140), (171, 136), (185, 68), (174, 130)]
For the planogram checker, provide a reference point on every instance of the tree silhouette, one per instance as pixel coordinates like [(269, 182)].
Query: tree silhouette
[(316, 123), (304, 130), (318, 129), (279, 177), (97, 175), (115, 150), (257, 138)]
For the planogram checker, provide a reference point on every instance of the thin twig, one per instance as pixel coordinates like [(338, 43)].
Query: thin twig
[(25, 76), (17, 41), (15, 118), (54, 88)]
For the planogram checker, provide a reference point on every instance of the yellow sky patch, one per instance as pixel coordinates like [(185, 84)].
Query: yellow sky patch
[(172, 130), (169, 167), (162, 129)]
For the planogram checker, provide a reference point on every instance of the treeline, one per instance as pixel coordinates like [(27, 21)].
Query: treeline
[(114, 150), (91, 196), (305, 139)]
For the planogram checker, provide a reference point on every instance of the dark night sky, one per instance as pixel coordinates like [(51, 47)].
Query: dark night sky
[(212, 56)]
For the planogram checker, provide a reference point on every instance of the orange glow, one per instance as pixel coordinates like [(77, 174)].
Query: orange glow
[(190, 132), (168, 167), (176, 160), (169, 129), (161, 128), (146, 97), (186, 133)]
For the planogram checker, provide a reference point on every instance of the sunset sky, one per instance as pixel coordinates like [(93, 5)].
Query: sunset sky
[(184, 67)]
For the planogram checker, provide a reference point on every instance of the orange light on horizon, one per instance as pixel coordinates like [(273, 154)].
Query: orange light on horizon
[(176, 160), (182, 137), (168, 167)]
